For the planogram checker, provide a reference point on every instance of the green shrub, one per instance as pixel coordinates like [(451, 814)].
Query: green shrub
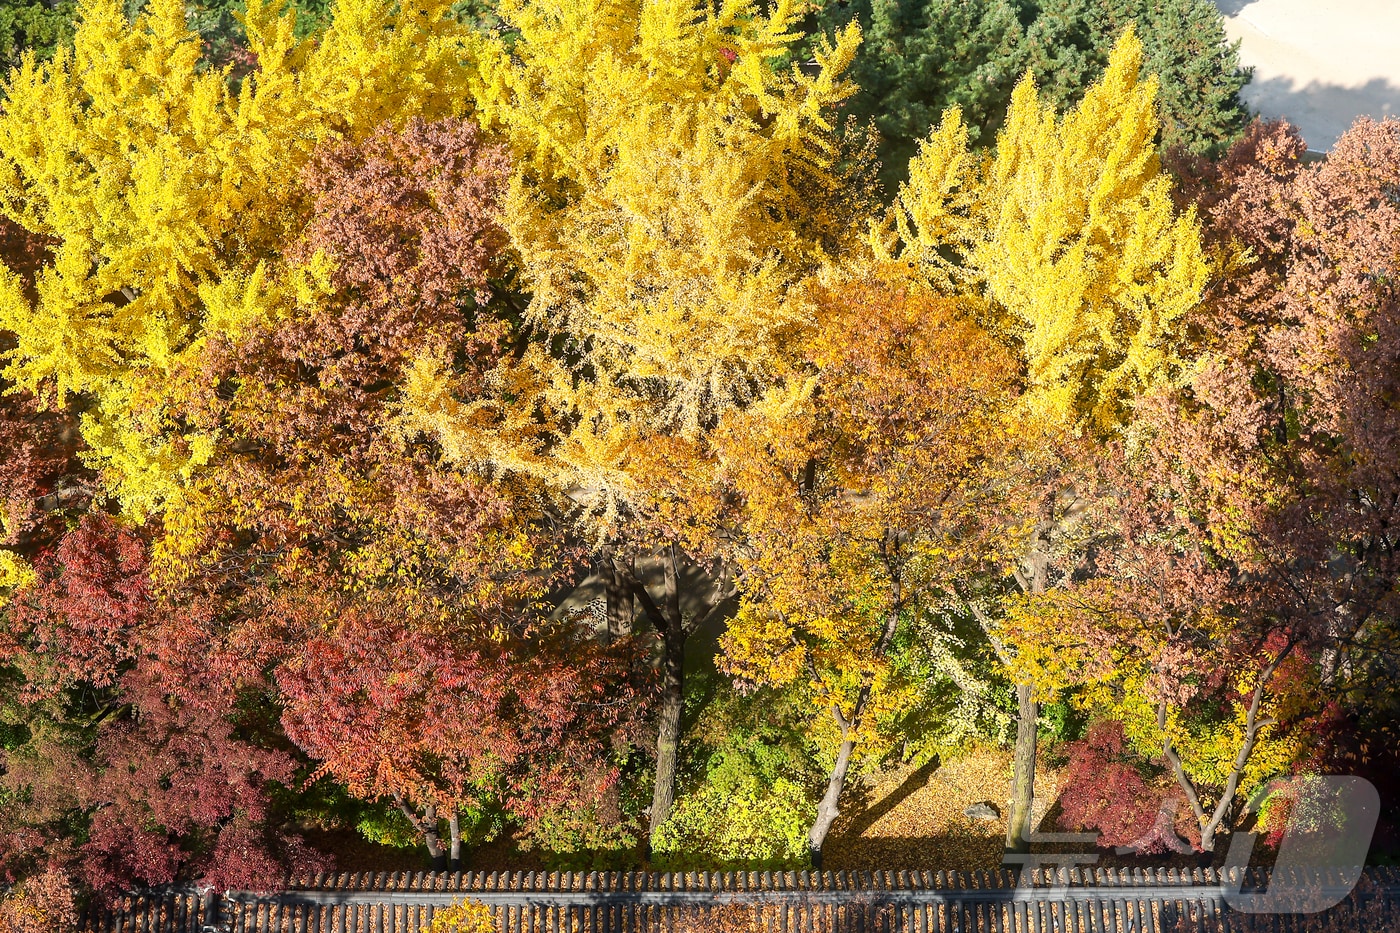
[(583, 838), (750, 770), (387, 826), (737, 820)]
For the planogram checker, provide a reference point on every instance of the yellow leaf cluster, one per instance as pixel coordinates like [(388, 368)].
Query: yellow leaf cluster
[(1071, 228), (15, 574), (161, 191), (673, 187), (494, 433), (468, 916), (1207, 747)]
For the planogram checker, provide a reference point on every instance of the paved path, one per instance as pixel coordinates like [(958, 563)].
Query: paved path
[(1319, 63)]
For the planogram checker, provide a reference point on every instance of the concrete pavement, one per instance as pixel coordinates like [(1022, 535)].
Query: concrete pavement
[(1319, 63)]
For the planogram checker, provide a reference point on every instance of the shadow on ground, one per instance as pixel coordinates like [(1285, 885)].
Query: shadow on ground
[(1322, 112)]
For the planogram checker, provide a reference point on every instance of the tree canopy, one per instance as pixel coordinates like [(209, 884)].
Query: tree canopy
[(461, 423)]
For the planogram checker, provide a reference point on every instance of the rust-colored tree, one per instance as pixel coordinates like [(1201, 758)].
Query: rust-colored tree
[(443, 720), (131, 764), (1251, 568)]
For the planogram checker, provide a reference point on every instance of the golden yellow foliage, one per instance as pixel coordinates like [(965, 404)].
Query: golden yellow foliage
[(1071, 227), (162, 191), (864, 498), (15, 573), (467, 916), (672, 188)]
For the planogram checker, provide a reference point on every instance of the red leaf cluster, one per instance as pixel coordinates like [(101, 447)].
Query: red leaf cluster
[(133, 731), (1103, 788), (443, 718)]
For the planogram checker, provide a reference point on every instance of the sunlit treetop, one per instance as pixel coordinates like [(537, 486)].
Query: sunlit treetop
[(1070, 228), (673, 185), (156, 184)]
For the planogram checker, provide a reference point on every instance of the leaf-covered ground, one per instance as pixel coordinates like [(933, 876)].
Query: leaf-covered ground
[(903, 819), (912, 818)]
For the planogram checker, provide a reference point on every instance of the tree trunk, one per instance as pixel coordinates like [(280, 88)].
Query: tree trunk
[(668, 738), (829, 808), (428, 826), (432, 839), (674, 631), (618, 571), (454, 828), (1018, 824)]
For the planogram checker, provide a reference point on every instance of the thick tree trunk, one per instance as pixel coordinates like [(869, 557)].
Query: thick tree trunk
[(618, 571), (674, 630), (668, 738), (432, 839), (1018, 823)]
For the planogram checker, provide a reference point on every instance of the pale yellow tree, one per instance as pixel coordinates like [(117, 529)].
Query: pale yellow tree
[(1069, 231), (673, 185)]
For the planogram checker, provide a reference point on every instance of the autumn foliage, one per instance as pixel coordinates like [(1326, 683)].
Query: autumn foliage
[(388, 422)]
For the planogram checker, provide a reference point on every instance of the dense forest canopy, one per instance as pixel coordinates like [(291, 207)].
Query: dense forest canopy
[(611, 428)]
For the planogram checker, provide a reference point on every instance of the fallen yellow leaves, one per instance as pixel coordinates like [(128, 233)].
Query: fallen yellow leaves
[(912, 818)]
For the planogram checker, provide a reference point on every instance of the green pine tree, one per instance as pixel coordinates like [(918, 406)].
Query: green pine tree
[(41, 25), (921, 56), (1067, 46), (1184, 44)]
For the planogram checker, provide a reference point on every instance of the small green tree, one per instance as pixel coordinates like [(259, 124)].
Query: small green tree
[(41, 25)]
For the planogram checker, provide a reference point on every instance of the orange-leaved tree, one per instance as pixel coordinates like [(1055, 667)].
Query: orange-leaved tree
[(863, 502)]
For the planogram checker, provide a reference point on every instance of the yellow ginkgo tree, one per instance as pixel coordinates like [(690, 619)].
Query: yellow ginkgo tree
[(1068, 230), (158, 191), (675, 184)]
